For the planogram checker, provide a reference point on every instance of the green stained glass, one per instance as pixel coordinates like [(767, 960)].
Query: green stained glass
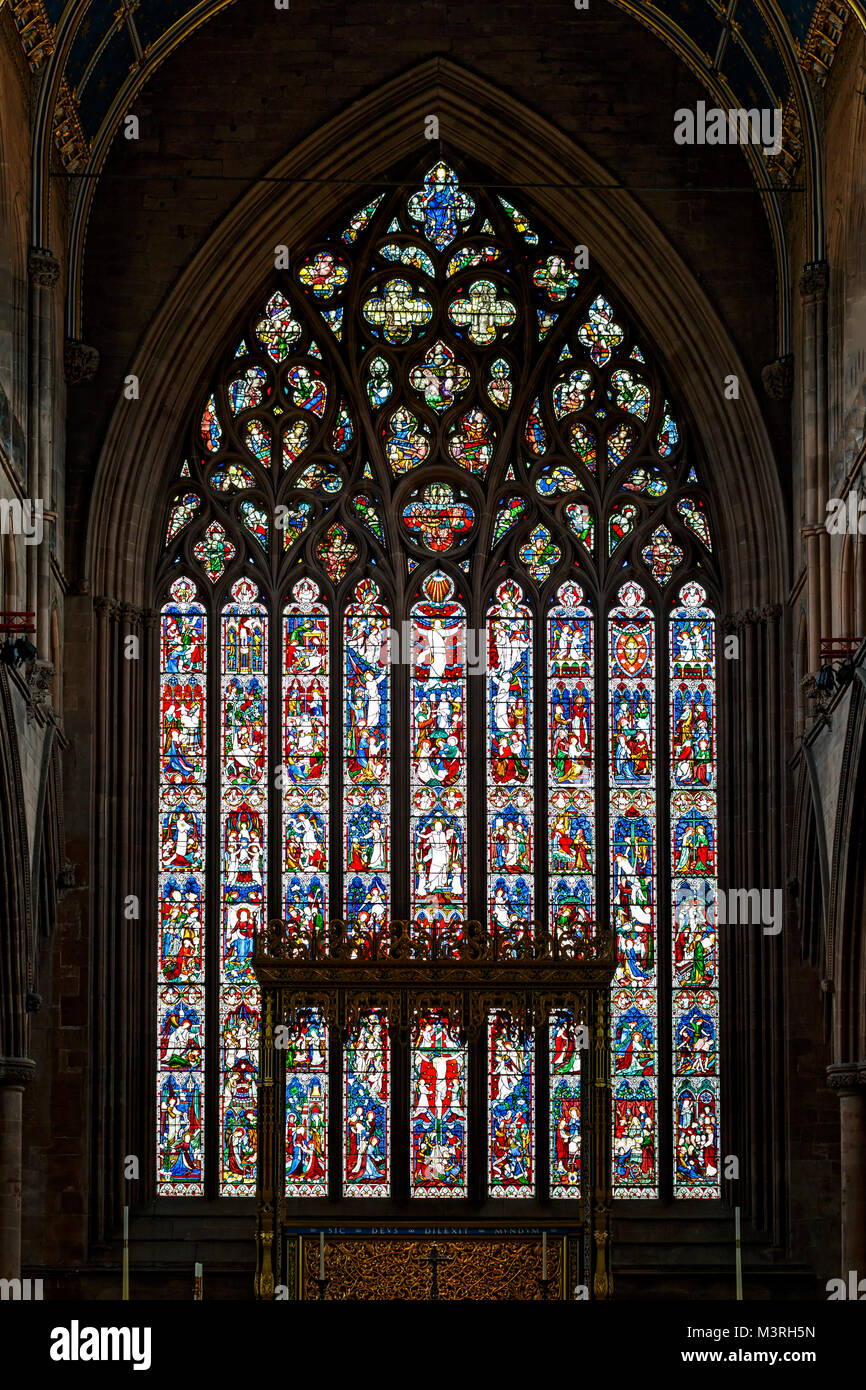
[(499, 387), (258, 441), (471, 255), (337, 552), (293, 521), (622, 521), (320, 477), (630, 393), (214, 551), (520, 223), (556, 278), (398, 312), (579, 518), (408, 254), (323, 274), (438, 378), (361, 220), (554, 481), (365, 508), (182, 512), (232, 477), (379, 383), (693, 513), (509, 510), (618, 445), (583, 443), (540, 554), (647, 480), (279, 330), (255, 518), (482, 312), (295, 441)]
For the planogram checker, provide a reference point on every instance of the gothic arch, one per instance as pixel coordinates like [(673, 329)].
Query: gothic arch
[(356, 147)]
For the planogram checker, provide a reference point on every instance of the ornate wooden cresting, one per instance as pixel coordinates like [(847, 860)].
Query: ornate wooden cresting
[(397, 972)]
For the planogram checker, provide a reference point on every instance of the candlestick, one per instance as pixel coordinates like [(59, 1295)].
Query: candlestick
[(544, 1255), (197, 1282), (321, 1254), (738, 1255), (125, 1290)]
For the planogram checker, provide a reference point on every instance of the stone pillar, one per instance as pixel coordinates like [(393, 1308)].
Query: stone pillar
[(44, 273), (849, 1080), (15, 1072), (813, 290)]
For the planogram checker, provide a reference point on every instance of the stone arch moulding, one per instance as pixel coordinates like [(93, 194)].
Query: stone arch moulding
[(574, 194)]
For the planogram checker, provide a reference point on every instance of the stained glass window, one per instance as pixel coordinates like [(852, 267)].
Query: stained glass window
[(472, 478)]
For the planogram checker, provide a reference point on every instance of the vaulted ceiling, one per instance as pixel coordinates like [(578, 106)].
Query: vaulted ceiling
[(104, 46)]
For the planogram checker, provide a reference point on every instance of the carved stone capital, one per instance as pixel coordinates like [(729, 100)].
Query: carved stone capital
[(778, 378), (846, 1076), (752, 617), (814, 280), (43, 268), (16, 1071), (80, 362)]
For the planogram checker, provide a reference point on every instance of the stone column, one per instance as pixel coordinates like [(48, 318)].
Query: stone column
[(849, 1080), (15, 1072), (44, 273), (814, 282)]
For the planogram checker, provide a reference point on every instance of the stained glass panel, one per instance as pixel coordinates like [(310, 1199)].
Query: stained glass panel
[(693, 897), (438, 1068), (571, 766), (564, 1115), (181, 888), (367, 1108), (243, 875), (510, 781), (306, 764), (367, 767), (307, 1108), (510, 1109), (437, 770), (632, 771)]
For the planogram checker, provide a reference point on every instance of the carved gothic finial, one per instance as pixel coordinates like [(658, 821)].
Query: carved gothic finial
[(80, 362), (43, 268), (814, 280), (778, 378)]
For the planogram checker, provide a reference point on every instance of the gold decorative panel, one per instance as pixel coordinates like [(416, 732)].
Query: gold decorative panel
[(477, 1270)]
